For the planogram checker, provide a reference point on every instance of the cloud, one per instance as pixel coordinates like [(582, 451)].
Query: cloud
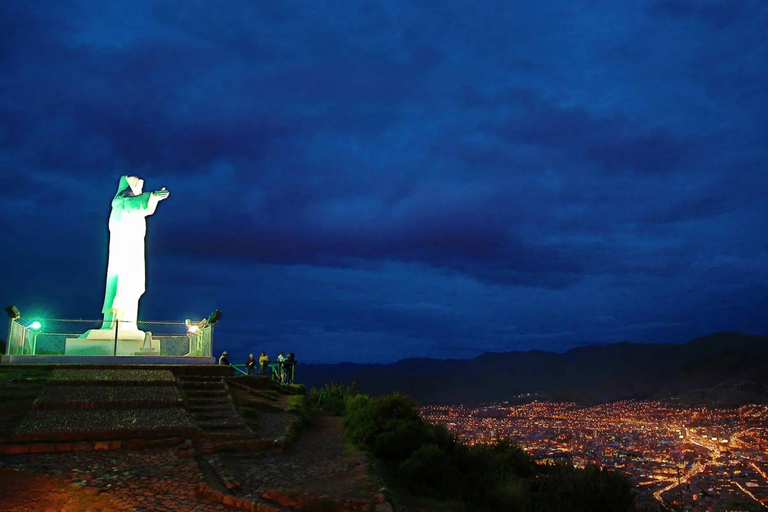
[(716, 14), (613, 142), (373, 170)]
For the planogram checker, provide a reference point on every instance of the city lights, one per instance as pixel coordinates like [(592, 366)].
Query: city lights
[(672, 453)]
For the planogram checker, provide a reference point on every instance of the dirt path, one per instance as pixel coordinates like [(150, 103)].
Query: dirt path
[(319, 462)]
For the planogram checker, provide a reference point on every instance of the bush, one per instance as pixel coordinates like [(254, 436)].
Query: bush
[(441, 437), (296, 389), (430, 469), (561, 487), (332, 397), (398, 439), (513, 495), (297, 404), (389, 426), (429, 461)]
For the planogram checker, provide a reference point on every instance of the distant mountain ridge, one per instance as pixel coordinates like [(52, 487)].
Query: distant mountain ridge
[(726, 368)]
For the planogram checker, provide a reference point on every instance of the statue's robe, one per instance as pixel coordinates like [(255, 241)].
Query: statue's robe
[(126, 266)]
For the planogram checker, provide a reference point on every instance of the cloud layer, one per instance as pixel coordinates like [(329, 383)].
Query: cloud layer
[(374, 182)]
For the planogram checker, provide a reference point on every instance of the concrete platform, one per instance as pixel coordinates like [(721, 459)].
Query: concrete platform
[(154, 360)]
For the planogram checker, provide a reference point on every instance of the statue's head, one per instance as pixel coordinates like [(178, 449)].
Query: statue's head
[(136, 184), (130, 186)]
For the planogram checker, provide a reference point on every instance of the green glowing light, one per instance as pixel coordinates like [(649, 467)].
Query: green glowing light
[(35, 326)]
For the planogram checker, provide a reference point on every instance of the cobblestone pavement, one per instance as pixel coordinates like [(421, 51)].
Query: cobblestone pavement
[(317, 463), (121, 480)]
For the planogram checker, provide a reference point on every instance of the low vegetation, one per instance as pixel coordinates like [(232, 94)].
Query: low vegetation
[(440, 473)]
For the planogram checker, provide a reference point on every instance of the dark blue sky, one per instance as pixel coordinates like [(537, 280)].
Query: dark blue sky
[(372, 181)]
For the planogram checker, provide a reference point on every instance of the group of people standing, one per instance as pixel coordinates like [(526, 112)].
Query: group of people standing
[(250, 364), (284, 367)]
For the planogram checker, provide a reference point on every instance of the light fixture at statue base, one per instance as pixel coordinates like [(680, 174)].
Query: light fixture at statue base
[(13, 312)]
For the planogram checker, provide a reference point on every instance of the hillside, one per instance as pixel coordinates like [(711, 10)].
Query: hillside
[(703, 367), (142, 437)]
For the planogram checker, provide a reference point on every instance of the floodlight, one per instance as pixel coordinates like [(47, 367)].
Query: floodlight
[(191, 327), (36, 325), (215, 317), (13, 312)]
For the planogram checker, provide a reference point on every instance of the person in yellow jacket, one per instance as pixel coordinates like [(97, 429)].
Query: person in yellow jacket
[(263, 361)]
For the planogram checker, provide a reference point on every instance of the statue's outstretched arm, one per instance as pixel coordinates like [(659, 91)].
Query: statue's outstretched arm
[(161, 194)]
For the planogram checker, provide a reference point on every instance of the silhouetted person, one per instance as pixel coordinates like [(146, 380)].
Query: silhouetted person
[(250, 365), (224, 360), (288, 365), (280, 372)]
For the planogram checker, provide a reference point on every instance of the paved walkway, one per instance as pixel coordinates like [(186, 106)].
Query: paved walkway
[(163, 473), (166, 479), (319, 463), (121, 480)]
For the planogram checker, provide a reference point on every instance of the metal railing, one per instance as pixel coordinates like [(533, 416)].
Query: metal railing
[(61, 337), (273, 370)]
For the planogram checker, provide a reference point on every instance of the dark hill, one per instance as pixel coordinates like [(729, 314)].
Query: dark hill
[(590, 374)]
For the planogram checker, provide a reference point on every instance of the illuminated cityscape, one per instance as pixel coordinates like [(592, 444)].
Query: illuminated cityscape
[(697, 457)]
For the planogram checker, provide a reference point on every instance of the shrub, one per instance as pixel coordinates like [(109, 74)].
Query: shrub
[(297, 404), (429, 461), (441, 437), (513, 495), (296, 389), (332, 397), (398, 439), (561, 486), (429, 469), (389, 426)]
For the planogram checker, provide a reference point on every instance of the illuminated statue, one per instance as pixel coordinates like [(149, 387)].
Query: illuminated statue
[(125, 269), (119, 334)]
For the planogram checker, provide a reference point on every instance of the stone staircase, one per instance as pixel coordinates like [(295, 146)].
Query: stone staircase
[(221, 428), (96, 405)]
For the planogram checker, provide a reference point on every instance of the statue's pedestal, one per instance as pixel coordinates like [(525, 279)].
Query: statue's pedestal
[(101, 342)]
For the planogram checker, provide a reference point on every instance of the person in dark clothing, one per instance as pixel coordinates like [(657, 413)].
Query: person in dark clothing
[(224, 360), (288, 365), (250, 365)]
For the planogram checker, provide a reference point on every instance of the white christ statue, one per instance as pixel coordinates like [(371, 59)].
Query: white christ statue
[(125, 268)]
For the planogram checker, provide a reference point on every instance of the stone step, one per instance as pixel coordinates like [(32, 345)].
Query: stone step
[(213, 415), (202, 378), (229, 435), (250, 445), (104, 424), (205, 393), (222, 413), (209, 405), (110, 377), (203, 372), (202, 385), (115, 397), (229, 423)]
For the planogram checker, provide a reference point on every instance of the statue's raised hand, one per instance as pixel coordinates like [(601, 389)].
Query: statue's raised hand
[(161, 194)]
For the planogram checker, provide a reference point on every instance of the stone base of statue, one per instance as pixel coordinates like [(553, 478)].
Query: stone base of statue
[(101, 342)]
